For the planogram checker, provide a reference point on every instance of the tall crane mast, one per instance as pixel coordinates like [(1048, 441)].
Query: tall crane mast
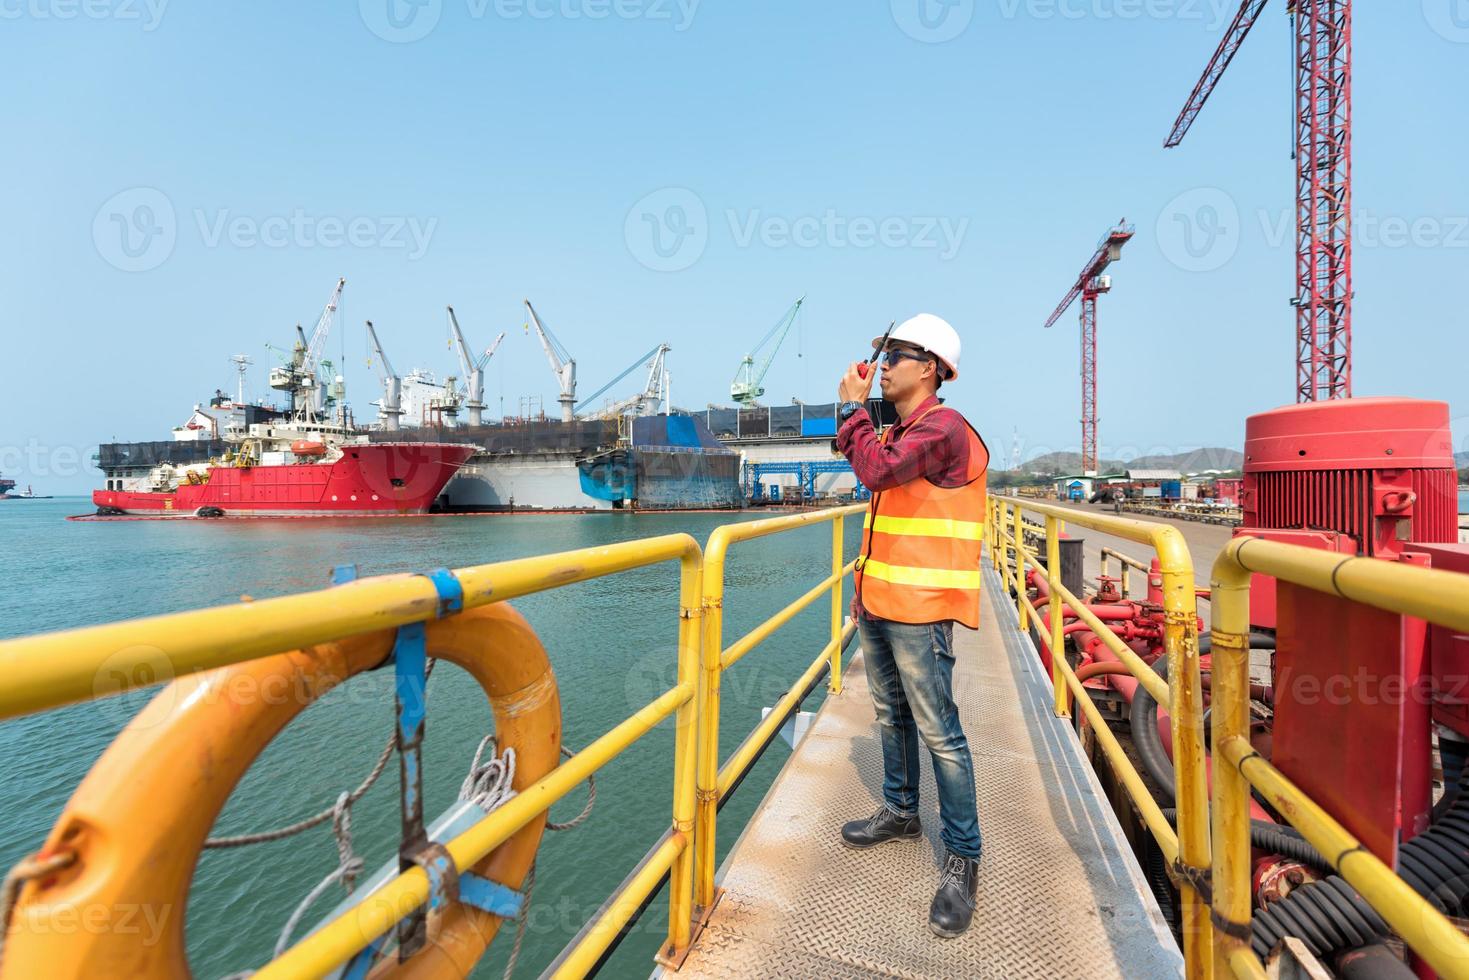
[(1323, 164), (745, 388), (474, 370), (563, 365), (1089, 285), (390, 408)]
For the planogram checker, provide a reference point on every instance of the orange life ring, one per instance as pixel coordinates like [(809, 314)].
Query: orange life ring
[(137, 822)]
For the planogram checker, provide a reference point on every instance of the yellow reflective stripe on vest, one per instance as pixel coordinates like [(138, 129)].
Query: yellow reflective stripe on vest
[(934, 578), (927, 527)]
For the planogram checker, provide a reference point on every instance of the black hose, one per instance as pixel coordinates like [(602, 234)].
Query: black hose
[(1435, 864), (1162, 885), (1327, 915), (1275, 838), (1375, 962), (1143, 718)]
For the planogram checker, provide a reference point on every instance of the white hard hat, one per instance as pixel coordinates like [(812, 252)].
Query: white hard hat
[(933, 334)]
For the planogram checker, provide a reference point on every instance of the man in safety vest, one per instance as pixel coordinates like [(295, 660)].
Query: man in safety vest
[(918, 574)]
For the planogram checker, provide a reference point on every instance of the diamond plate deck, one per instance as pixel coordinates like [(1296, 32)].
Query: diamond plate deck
[(1059, 892)]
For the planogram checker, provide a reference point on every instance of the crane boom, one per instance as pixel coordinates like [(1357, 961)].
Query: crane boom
[(316, 348), (656, 355), (1244, 19), (1323, 172), (746, 386), (474, 370), (1109, 250), (390, 409), (563, 365)]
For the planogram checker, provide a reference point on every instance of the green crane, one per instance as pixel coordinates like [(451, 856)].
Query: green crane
[(746, 385)]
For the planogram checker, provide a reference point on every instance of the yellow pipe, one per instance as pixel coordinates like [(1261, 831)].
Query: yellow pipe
[(583, 958), (838, 572), (716, 551), (1430, 934), (1180, 643), (763, 632), (1242, 963), (1022, 604), (1142, 797), (339, 940), (685, 756), (54, 669), (744, 756), (1142, 532), (1058, 651), (1231, 809), (710, 675), (1427, 593)]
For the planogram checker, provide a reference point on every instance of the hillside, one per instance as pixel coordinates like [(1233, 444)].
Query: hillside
[(1210, 458)]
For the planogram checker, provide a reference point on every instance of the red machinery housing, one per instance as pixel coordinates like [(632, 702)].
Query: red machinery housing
[(1353, 687), (1360, 476)]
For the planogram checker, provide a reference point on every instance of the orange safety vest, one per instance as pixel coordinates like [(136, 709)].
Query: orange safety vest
[(921, 553)]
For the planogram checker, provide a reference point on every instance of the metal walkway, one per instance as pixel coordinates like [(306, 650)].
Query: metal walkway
[(1060, 894)]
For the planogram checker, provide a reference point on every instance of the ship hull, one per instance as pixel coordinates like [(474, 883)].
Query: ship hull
[(377, 480)]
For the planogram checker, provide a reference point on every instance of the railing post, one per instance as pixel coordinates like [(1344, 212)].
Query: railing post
[(1230, 718), (1057, 607), (685, 758), (1021, 604), (838, 544), (1185, 689), (711, 647)]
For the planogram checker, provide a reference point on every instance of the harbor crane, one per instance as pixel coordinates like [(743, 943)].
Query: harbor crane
[(1089, 285), (474, 370), (300, 374), (563, 365), (1322, 32), (645, 402), (746, 387), (390, 408)]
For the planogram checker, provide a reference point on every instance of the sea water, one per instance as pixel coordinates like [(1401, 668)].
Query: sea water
[(612, 644)]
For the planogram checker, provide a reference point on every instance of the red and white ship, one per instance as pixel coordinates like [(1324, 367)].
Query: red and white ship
[(292, 468)]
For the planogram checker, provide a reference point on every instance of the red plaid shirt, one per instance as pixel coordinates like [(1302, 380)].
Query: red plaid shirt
[(933, 447)]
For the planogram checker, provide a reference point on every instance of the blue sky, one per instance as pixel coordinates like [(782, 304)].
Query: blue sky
[(184, 181)]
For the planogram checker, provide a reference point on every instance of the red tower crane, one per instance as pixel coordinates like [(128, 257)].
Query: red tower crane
[(1323, 157), (1089, 285)]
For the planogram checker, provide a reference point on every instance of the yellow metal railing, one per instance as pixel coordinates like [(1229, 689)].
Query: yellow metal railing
[(1187, 850), (715, 781), (54, 669), (1437, 596)]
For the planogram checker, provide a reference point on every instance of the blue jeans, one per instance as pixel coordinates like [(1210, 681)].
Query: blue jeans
[(910, 670)]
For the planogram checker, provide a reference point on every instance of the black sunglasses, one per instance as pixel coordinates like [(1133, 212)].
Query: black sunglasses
[(893, 356)]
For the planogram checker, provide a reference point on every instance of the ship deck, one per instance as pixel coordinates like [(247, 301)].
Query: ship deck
[(1060, 893)]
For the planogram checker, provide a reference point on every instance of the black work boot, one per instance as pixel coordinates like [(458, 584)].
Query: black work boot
[(882, 826), (953, 905)]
